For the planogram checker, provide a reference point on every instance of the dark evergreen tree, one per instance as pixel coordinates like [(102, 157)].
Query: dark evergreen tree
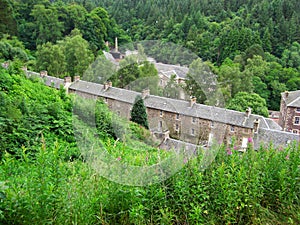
[(138, 112)]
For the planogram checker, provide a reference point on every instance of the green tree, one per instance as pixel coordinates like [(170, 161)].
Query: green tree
[(8, 24), (51, 58), (77, 52), (138, 112), (202, 84), (47, 25), (244, 100)]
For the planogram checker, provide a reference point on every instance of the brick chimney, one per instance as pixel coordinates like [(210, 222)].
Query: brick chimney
[(67, 80), (107, 85), (255, 125), (43, 73), (248, 112), (286, 93), (76, 78), (192, 101), (145, 93)]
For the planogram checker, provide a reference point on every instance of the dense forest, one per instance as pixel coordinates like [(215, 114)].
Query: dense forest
[(46, 177), (252, 46)]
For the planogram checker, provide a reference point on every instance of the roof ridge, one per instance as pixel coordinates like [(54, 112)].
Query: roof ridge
[(298, 98)]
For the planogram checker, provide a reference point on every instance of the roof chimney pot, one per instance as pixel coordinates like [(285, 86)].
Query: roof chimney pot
[(248, 112), (145, 93), (286, 94), (192, 101)]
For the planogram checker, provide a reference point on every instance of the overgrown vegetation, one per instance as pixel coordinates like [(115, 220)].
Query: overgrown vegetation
[(44, 178), (253, 46)]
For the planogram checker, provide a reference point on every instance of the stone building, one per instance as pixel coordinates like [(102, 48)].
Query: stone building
[(165, 71), (289, 118), (189, 121)]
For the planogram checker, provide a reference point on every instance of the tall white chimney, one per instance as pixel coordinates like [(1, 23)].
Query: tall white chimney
[(116, 44)]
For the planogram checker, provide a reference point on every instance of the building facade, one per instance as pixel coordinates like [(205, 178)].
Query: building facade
[(188, 121), (289, 118)]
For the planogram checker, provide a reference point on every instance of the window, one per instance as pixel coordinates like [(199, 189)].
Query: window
[(232, 128), (297, 120), (176, 127), (295, 131), (160, 124), (177, 116), (298, 110), (161, 113), (212, 123), (194, 120), (106, 100), (193, 131)]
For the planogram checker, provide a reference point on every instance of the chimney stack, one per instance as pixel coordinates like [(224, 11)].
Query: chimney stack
[(192, 101), (248, 112), (67, 80), (116, 44), (256, 125), (76, 78), (286, 94), (107, 85), (145, 93), (43, 73)]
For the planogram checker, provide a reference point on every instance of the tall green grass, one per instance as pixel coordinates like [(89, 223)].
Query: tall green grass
[(256, 187)]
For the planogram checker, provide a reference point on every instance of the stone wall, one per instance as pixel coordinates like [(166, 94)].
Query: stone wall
[(291, 113)]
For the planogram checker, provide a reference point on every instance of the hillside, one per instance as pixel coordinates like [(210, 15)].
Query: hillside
[(44, 178)]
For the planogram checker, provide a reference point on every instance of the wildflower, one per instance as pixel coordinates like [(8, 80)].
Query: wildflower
[(287, 157), (250, 140), (235, 147), (229, 152), (119, 158), (185, 160)]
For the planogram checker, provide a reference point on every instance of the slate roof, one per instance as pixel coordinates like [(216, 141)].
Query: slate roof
[(177, 106), (169, 70), (53, 81), (98, 90), (48, 80), (274, 137), (293, 99)]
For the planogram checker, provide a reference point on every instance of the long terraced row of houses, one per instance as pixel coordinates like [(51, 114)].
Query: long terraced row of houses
[(187, 121)]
